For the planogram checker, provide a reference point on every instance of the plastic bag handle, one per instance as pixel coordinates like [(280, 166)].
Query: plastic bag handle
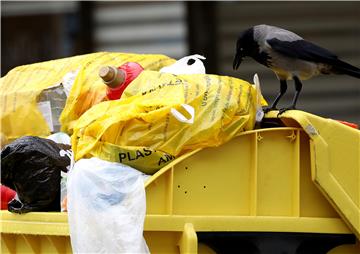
[(180, 117), (259, 111)]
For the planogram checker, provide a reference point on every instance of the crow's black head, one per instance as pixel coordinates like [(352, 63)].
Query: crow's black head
[(245, 46)]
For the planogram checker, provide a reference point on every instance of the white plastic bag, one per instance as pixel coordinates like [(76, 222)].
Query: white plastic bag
[(63, 138), (187, 65), (60, 137), (106, 208), (259, 110)]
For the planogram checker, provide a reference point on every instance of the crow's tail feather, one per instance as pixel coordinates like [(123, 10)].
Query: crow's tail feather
[(342, 67)]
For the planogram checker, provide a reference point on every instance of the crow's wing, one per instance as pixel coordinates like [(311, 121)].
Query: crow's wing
[(308, 51), (304, 50)]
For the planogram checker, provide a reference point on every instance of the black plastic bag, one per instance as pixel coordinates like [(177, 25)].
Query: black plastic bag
[(32, 166)]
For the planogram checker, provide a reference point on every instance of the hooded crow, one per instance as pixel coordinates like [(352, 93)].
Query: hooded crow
[(289, 56)]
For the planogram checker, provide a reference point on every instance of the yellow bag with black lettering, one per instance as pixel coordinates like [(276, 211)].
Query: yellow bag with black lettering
[(21, 88), (161, 116)]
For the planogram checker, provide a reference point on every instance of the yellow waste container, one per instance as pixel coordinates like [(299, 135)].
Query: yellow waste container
[(267, 187)]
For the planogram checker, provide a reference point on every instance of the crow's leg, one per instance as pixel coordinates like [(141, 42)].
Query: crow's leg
[(283, 88), (298, 87)]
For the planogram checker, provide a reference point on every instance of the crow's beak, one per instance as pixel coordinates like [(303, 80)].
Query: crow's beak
[(237, 61)]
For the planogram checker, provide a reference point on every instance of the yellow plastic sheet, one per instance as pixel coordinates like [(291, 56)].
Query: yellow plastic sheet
[(20, 88), (161, 116)]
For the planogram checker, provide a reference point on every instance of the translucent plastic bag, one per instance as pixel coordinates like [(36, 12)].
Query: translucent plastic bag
[(32, 96), (63, 138), (106, 208)]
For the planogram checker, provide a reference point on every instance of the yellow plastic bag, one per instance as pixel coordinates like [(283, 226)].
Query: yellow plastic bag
[(89, 89), (21, 87), (161, 116)]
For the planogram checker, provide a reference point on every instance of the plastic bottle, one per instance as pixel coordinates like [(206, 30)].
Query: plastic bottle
[(117, 79)]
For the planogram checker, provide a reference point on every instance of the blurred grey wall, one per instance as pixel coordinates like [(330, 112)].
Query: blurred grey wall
[(333, 25), (141, 27), (39, 31), (211, 28)]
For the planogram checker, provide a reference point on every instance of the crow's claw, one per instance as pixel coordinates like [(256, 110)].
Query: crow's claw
[(282, 110), (268, 109)]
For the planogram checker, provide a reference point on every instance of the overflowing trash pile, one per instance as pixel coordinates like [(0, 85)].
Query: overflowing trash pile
[(82, 134)]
